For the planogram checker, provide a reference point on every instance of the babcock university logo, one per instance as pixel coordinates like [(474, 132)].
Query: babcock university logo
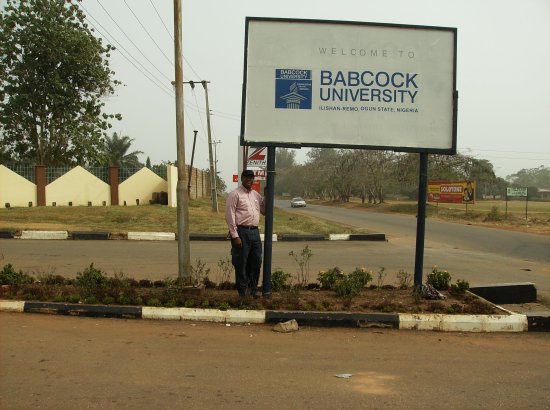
[(293, 89)]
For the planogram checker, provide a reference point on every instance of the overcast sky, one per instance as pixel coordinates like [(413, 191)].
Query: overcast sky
[(503, 72)]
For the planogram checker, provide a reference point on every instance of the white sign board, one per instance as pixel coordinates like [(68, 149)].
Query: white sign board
[(257, 157), (516, 191), (344, 84)]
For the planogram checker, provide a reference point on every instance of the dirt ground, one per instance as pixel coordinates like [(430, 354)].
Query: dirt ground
[(53, 362)]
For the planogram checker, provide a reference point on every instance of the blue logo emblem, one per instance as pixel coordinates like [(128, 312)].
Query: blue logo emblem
[(293, 89)]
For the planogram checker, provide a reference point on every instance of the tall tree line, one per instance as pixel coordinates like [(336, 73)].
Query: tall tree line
[(338, 174)]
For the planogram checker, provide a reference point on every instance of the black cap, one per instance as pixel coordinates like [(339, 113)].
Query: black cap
[(247, 173)]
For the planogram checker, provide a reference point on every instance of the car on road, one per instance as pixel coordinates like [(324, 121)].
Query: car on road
[(297, 202)]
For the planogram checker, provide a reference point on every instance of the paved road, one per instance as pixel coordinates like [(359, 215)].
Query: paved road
[(528, 247), (53, 362)]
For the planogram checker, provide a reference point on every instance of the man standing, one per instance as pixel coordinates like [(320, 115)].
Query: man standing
[(242, 214)]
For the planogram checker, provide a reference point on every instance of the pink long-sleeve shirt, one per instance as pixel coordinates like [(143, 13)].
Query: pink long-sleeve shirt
[(243, 207)]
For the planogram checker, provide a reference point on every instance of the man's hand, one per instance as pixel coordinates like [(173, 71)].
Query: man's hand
[(237, 242)]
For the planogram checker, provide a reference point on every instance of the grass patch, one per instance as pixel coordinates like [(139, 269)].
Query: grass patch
[(150, 218)]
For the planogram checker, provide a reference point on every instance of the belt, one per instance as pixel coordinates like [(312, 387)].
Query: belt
[(247, 227)]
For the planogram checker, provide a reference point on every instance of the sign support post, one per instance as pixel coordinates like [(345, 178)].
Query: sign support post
[(268, 235), (506, 204), (421, 221)]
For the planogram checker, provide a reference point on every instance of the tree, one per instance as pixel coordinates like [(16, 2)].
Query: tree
[(116, 151), (534, 177), (284, 159), (371, 174), (53, 74), (221, 186)]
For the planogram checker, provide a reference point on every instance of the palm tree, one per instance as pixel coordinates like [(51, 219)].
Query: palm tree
[(116, 151)]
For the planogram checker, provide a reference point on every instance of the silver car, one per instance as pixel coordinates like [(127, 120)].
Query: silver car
[(297, 202)]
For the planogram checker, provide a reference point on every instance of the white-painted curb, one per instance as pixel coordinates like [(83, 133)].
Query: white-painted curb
[(151, 236), (464, 323), (339, 237), (44, 235), (273, 237), (12, 306), (208, 315)]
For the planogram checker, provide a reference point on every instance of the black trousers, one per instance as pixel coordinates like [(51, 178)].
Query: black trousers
[(247, 261)]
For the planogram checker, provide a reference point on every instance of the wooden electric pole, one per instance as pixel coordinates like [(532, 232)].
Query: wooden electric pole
[(210, 156), (182, 196)]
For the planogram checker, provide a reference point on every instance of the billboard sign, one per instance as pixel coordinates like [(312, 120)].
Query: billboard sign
[(348, 84), (452, 192), (521, 192)]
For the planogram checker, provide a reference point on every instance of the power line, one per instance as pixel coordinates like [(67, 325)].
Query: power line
[(172, 37), (147, 32), (200, 116), (112, 39), (195, 107), (131, 41), (161, 20)]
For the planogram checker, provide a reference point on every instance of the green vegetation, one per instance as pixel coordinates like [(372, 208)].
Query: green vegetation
[(55, 76), (439, 279), (338, 291), (9, 276), (279, 280), (150, 218)]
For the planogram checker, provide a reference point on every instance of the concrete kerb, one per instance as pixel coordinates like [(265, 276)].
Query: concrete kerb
[(402, 321), (171, 236), (44, 235)]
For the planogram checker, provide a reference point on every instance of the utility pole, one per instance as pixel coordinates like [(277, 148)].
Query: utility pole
[(216, 161), (191, 165), (182, 196), (211, 159)]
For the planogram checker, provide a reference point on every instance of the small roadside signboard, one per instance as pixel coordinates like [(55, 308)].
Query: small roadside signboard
[(517, 192), (511, 191)]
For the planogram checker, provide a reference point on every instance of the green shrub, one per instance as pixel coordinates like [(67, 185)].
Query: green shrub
[(190, 303), (171, 303), (439, 279), (347, 287), (153, 302), (92, 300), (279, 280), (9, 276), (74, 298), (460, 287), (361, 277), (108, 300), (91, 279), (494, 214), (224, 306), (328, 278)]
